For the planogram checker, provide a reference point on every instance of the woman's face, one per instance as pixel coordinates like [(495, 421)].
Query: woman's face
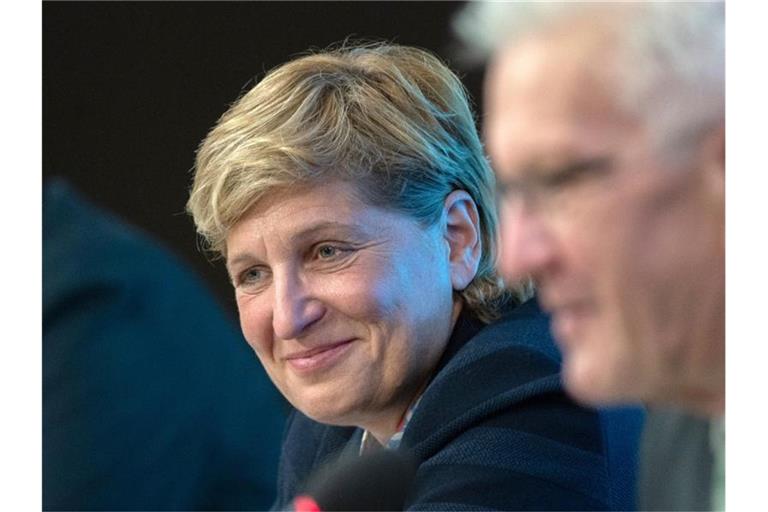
[(347, 306)]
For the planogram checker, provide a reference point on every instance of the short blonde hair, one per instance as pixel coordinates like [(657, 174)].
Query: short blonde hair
[(394, 120)]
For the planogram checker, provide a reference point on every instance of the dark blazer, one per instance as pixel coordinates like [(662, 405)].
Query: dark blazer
[(152, 400), (494, 430)]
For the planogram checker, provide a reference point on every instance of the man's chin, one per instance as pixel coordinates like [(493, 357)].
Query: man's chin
[(589, 384)]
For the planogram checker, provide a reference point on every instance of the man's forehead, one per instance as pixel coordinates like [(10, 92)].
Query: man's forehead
[(542, 103), (523, 136), (516, 155), (551, 73)]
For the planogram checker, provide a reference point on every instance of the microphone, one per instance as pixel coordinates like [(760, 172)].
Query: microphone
[(377, 481)]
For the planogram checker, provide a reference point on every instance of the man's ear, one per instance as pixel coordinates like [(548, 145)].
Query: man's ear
[(462, 234), (712, 162)]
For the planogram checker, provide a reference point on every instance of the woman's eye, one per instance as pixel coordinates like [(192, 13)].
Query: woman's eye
[(252, 276), (327, 251)]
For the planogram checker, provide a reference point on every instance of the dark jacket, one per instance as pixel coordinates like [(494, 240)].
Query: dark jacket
[(494, 430), (152, 399)]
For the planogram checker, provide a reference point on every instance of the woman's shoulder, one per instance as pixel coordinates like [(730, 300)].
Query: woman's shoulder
[(514, 354), (519, 329), (307, 445), (510, 361), (498, 407)]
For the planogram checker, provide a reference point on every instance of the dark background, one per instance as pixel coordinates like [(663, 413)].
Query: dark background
[(131, 88)]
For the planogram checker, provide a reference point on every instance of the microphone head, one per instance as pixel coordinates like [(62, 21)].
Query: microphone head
[(377, 481)]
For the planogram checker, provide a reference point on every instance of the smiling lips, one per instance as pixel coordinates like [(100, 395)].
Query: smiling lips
[(319, 357)]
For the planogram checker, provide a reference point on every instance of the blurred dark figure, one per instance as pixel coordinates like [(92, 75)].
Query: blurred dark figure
[(151, 398)]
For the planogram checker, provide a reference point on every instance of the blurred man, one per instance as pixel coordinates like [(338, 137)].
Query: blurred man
[(151, 398), (605, 125)]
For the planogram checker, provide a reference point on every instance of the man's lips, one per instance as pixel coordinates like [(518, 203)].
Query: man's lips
[(318, 357), (568, 318), (555, 303)]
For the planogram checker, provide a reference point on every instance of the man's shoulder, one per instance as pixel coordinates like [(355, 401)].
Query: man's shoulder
[(680, 442), (87, 247)]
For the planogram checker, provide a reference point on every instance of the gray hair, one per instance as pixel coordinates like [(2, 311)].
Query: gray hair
[(670, 60)]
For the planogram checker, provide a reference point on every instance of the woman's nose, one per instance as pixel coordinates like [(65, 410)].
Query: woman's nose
[(295, 308)]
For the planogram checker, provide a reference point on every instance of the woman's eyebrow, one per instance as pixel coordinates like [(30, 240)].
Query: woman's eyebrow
[(315, 229), (310, 231), (236, 260)]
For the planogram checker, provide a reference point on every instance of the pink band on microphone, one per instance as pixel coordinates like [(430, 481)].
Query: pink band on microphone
[(305, 504)]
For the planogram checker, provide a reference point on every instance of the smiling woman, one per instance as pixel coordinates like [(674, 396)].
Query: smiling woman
[(327, 300), (350, 198)]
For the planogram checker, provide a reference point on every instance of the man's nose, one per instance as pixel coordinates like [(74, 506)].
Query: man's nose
[(526, 242), (295, 307)]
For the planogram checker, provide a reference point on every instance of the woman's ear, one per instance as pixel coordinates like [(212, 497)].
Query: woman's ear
[(462, 234)]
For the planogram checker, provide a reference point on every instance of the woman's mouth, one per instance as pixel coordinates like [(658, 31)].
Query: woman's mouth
[(318, 358)]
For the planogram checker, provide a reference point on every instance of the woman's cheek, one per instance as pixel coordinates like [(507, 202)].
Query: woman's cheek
[(255, 322), (367, 296)]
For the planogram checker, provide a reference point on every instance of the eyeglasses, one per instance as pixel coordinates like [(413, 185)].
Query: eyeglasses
[(542, 187)]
